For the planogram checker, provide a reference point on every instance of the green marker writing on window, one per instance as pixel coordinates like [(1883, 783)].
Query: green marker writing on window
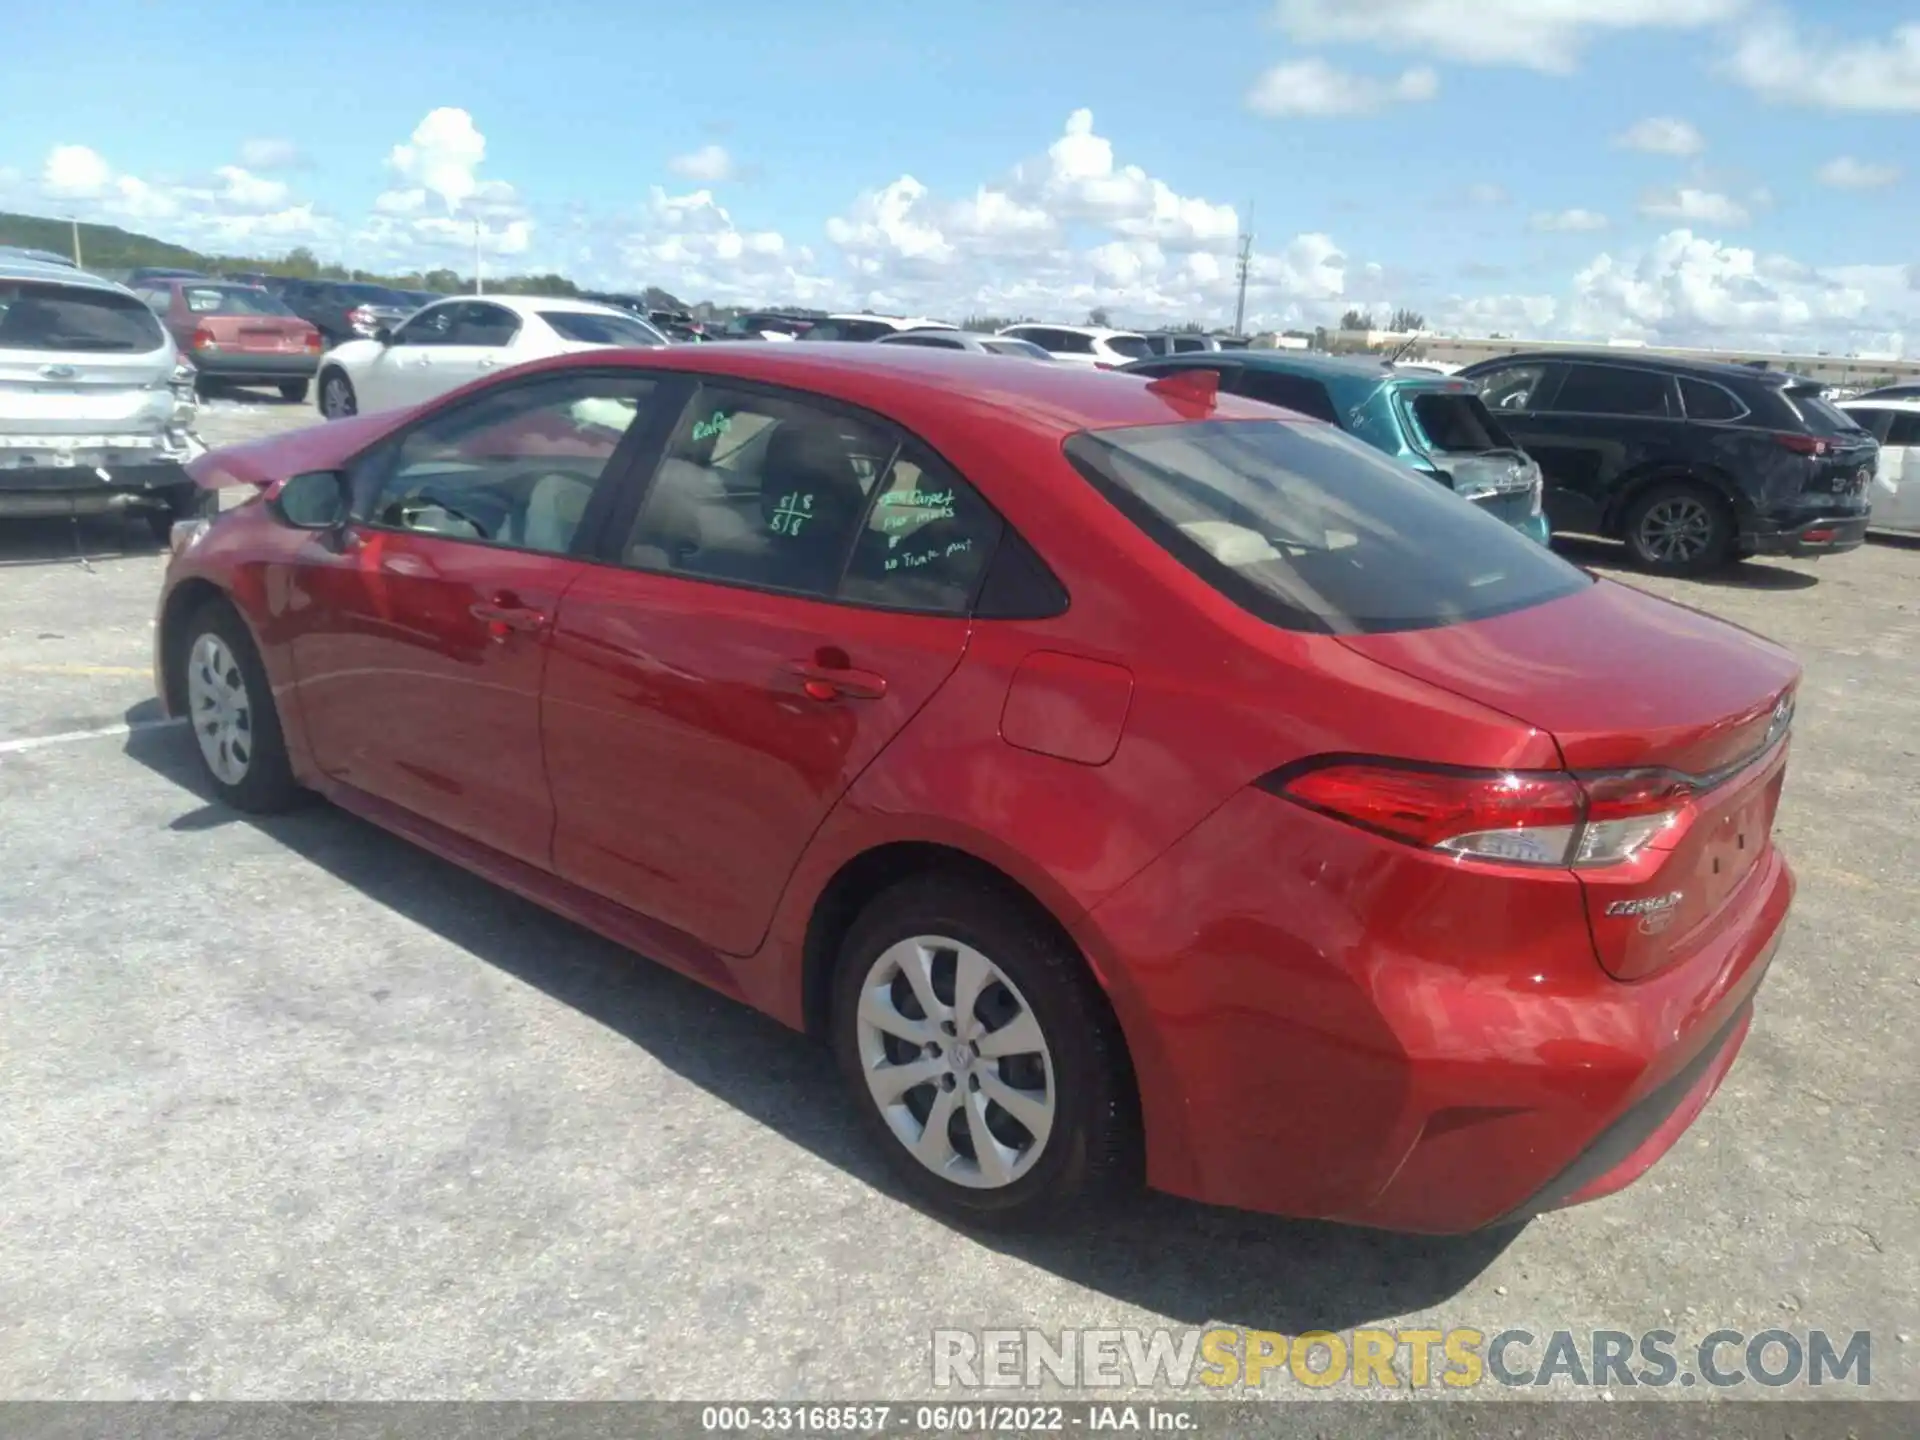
[(716, 424), (791, 513)]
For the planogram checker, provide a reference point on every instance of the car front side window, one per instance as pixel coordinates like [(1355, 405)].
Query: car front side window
[(431, 326), (516, 467)]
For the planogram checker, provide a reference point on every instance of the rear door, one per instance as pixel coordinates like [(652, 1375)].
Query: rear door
[(1896, 501), (793, 588), (1597, 424)]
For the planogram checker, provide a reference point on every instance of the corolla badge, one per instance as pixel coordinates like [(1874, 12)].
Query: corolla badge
[(1655, 912)]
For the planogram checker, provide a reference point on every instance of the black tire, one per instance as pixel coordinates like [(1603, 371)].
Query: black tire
[(206, 387), (294, 392), (267, 785), (186, 502), (1680, 527), (1091, 1152), (337, 400)]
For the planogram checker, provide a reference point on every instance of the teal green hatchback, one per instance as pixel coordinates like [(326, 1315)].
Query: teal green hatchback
[(1427, 421)]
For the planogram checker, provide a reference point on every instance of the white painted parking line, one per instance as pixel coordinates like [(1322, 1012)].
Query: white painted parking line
[(71, 737)]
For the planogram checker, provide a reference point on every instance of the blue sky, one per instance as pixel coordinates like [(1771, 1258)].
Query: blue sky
[(1682, 170)]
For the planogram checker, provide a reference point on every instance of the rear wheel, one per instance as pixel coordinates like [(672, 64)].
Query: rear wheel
[(337, 400), (982, 1057), (1680, 528), (294, 391), (229, 704)]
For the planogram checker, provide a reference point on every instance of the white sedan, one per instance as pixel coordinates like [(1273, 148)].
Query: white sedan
[(459, 339)]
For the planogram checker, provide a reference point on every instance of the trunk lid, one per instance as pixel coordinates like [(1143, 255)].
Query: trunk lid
[(1623, 681), (256, 334), (85, 395)]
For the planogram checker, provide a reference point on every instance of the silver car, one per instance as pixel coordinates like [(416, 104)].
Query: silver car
[(96, 404)]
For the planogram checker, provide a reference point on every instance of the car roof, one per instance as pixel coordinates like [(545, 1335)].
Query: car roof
[(1291, 362), (1720, 370), (1092, 332), (903, 322), (1889, 402), (936, 390), (954, 333), (12, 269)]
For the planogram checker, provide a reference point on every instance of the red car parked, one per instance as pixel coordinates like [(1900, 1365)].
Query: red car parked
[(237, 334), (1115, 772)]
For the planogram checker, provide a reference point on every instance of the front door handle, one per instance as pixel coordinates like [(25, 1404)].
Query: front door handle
[(504, 614), (487, 362), (831, 682)]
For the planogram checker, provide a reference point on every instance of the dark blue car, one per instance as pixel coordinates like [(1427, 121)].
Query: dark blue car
[(1429, 423)]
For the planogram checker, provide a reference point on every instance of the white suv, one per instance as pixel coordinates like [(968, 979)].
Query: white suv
[(868, 327), (96, 405), (1084, 344)]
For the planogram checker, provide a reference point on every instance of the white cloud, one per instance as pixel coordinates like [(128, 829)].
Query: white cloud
[(1704, 207), (1846, 173), (1537, 34), (442, 155), (1662, 135), (1313, 87), (232, 208), (1779, 63), (1568, 221), (709, 165), (269, 153)]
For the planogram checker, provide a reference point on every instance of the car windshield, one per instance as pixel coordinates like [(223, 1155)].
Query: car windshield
[(1823, 417), (56, 317), (585, 327), (1134, 347), (232, 300), (1312, 530)]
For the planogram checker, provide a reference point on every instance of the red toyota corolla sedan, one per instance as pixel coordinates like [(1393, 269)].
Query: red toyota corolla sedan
[(1122, 777)]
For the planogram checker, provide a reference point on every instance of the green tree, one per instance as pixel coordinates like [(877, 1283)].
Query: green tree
[(1099, 316), (1406, 322), (1356, 320)]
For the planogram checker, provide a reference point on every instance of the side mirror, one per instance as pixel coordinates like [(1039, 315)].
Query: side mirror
[(384, 335), (315, 500)]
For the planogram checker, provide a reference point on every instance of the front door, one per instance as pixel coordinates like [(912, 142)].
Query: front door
[(421, 636), (794, 589)]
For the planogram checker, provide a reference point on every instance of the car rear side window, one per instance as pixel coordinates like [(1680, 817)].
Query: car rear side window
[(1311, 530), (927, 537), (1706, 401), (59, 317), (1131, 346), (1290, 392), (1903, 429), (584, 327), (1612, 390), (1518, 387)]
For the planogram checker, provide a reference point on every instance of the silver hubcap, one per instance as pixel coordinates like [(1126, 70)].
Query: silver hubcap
[(1676, 529), (222, 716), (956, 1062), (337, 399)]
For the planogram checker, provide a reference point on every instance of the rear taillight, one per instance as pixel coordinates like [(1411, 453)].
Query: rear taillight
[(1800, 444), (313, 341), (203, 339), (1508, 817), (360, 317)]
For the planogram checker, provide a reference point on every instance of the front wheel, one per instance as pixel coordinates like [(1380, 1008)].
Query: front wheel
[(337, 400), (1680, 528), (229, 704), (982, 1056)]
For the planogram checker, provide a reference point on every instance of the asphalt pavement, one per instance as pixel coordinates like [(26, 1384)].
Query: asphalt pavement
[(295, 1111)]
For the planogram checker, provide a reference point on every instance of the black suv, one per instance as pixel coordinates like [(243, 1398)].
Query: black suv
[(1693, 464)]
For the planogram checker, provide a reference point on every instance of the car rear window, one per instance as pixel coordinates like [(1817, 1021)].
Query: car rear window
[(232, 300), (1823, 417), (1311, 530), (585, 328), (1134, 347), (59, 317), (1024, 348), (1458, 422)]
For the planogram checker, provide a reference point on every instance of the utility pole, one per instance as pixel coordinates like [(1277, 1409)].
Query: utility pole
[(477, 288), (1245, 266), (74, 220)]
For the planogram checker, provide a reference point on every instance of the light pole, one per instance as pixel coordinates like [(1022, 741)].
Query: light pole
[(477, 288), (74, 220)]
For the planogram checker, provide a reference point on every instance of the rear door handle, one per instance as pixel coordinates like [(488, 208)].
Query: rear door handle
[(831, 682)]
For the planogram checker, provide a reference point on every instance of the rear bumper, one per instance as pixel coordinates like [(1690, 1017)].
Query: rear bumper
[(1329, 1025), (266, 367), (37, 478), (1812, 535)]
